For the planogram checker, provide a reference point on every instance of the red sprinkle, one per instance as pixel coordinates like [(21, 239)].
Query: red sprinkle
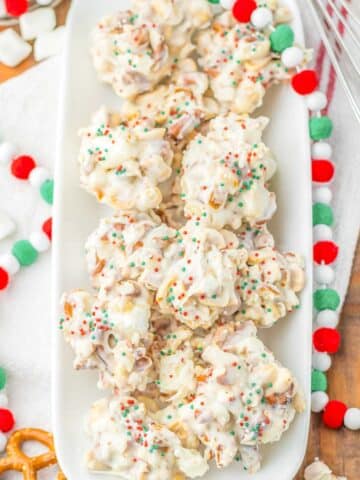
[(326, 340), (22, 166), (334, 414), (305, 82)]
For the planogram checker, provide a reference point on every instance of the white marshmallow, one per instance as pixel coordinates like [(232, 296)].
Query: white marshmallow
[(9, 263), (318, 401), (7, 225), (13, 49), (32, 24), (49, 44), (39, 241), (8, 151), (321, 150)]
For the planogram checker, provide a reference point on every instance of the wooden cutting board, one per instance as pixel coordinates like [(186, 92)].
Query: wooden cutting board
[(339, 449)]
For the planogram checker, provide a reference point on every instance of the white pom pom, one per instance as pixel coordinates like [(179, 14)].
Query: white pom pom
[(321, 361), (322, 232), (261, 18), (9, 263), (3, 400), (352, 419), (321, 150), (322, 195), (324, 275), (292, 57), (39, 241), (3, 442), (8, 151), (316, 101), (319, 400), (327, 318), (38, 176), (227, 4)]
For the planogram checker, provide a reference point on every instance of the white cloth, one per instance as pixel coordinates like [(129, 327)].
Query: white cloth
[(28, 113)]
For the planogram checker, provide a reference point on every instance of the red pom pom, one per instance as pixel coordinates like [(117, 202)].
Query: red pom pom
[(322, 171), (325, 251), (7, 421), (4, 279), (47, 228), (243, 9), (16, 7), (334, 413), (326, 340), (305, 82), (21, 167)]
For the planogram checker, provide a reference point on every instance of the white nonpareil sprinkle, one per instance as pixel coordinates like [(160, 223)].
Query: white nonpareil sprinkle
[(7, 225), (49, 44), (13, 49), (35, 23)]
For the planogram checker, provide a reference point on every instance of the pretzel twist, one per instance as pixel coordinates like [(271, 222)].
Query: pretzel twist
[(17, 460)]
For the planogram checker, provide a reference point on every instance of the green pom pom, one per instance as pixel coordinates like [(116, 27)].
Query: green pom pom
[(24, 252), (47, 191), (3, 378), (326, 299), (320, 128), (214, 1), (322, 214), (282, 38), (318, 381)]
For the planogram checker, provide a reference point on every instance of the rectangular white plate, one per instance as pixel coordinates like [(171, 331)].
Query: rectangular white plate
[(77, 214)]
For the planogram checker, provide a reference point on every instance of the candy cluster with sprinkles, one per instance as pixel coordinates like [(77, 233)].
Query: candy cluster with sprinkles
[(184, 271)]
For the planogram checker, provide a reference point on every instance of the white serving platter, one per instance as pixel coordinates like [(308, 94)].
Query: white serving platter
[(77, 213)]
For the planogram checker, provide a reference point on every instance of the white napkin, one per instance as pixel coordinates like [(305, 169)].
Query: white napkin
[(28, 112)]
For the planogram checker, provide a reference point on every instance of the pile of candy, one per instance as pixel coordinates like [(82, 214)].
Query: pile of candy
[(38, 25)]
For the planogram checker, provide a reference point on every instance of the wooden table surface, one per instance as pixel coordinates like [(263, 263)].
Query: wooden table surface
[(339, 449)]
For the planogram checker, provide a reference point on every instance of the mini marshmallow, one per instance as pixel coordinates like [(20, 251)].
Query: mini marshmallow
[(33, 24), (7, 225), (49, 44), (13, 49)]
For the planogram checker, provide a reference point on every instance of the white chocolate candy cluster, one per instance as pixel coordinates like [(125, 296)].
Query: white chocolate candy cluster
[(127, 441), (184, 270), (111, 334), (124, 165), (225, 173), (135, 50), (239, 61)]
